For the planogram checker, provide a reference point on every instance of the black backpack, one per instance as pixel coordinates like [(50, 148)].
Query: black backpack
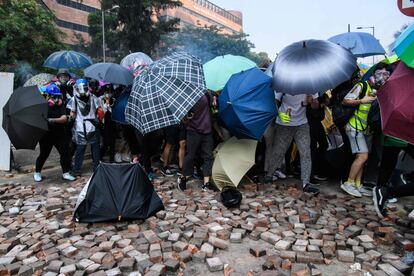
[(374, 118), (341, 114)]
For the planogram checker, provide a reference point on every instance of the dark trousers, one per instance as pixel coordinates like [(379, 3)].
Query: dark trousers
[(389, 160), (401, 191), (53, 139), (131, 139), (147, 145), (108, 138), (195, 142), (319, 145), (80, 154)]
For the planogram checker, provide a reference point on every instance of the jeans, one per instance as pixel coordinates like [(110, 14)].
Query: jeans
[(80, 154)]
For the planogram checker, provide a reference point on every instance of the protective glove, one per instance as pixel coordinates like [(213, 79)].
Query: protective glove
[(50, 121), (284, 117)]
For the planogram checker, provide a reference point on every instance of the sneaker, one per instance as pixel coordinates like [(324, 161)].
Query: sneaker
[(166, 171), (279, 174), (208, 186), (320, 177), (181, 183), (68, 176), (268, 179), (197, 175), (308, 188), (179, 172), (118, 158), (380, 199), (365, 191), (392, 200), (314, 182), (350, 189), (37, 177), (274, 178)]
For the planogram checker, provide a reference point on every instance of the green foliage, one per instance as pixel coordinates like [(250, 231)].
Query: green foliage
[(27, 33), (130, 26)]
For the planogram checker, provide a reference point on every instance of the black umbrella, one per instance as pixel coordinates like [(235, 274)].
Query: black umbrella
[(110, 72), (311, 66), (25, 117)]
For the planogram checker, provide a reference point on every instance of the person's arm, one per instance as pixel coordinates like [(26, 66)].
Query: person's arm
[(61, 120), (351, 99)]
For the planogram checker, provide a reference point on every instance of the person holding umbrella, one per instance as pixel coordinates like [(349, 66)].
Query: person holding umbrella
[(55, 136), (65, 84), (361, 96)]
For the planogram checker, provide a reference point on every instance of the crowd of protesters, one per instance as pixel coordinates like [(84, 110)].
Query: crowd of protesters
[(307, 134)]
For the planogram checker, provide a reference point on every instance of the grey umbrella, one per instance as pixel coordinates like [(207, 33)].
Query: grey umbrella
[(110, 72), (311, 66)]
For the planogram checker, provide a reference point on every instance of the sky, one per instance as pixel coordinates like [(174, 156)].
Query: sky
[(274, 24)]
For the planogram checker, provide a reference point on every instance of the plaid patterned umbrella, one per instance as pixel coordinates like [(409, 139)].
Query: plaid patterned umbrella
[(163, 94)]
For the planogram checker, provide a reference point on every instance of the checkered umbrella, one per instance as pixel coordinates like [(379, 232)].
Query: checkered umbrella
[(163, 94)]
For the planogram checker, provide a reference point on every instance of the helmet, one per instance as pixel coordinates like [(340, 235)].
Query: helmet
[(63, 76), (53, 90), (81, 88), (231, 197)]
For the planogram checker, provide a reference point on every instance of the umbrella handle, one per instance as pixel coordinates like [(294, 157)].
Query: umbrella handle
[(229, 103)]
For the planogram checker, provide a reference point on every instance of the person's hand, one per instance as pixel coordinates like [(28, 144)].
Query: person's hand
[(51, 121), (71, 82), (368, 99), (308, 99), (284, 117)]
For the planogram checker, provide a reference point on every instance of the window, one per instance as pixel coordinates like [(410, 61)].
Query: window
[(77, 5), (72, 26)]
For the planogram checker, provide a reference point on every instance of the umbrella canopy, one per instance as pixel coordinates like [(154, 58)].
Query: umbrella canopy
[(110, 72), (247, 104), (164, 93), (359, 43), (395, 98), (67, 59), (219, 70), (233, 160), (387, 60), (134, 60), (404, 46), (25, 117), (118, 111), (311, 66), (39, 79)]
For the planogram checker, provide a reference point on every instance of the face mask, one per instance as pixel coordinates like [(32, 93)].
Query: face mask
[(82, 91), (381, 77), (63, 79), (52, 102)]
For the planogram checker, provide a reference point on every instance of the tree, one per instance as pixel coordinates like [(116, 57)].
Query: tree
[(132, 25), (27, 33), (208, 42)]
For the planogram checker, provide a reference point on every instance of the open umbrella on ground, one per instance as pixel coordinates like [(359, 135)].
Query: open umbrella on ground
[(219, 70), (134, 60), (25, 117), (39, 79), (67, 59), (110, 72), (311, 66), (233, 160), (387, 60), (247, 105), (118, 111), (396, 101), (404, 46), (359, 43), (164, 93)]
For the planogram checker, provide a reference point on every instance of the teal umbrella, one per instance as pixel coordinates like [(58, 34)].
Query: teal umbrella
[(219, 70), (404, 46)]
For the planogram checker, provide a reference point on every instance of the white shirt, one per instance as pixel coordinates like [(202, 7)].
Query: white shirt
[(297, 106), (80, 118)]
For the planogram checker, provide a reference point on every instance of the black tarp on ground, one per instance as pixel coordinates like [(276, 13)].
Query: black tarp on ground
[(117, 192)]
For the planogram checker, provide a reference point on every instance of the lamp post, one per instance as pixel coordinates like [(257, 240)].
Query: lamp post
[(373, 34), (103, 31)]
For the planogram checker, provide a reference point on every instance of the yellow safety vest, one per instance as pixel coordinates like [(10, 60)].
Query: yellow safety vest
[(359, 121)]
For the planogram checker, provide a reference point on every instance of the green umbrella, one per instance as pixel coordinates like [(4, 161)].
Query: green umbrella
[(219, 70), (233, 160), (404, 46)]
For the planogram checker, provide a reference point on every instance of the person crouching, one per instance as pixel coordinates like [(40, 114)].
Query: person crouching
[(55, 136)]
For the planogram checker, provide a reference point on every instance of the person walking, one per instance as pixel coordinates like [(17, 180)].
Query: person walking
[(361, 96), (55, 136)]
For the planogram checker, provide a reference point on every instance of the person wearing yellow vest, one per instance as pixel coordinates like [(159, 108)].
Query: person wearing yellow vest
[(361, 96)]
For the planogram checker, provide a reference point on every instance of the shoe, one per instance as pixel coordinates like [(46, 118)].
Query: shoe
[(68, 176), (118, 158), (392, 200), (314, 182), (166, 171), (37, 177), (351, 189), (179, 172), (208, 186), (308, 188), (126, 157), (365, 191), (274, 178), (182, 183), (197, 175), (268, 179), (320, 177), (279, 174), (379, 196), (151, 176)]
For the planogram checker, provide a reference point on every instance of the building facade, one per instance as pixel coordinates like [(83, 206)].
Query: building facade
[(72, 16)]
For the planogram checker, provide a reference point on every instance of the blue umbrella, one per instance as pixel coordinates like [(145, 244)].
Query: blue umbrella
[(118, 111), (247, 104), (67, 59), (360, 44)]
